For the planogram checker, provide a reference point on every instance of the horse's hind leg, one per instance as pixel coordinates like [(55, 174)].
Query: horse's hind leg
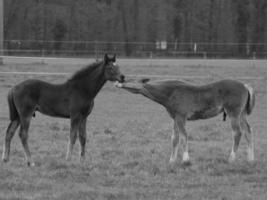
[(175, 142), (23, 134), (9, 135), (237, 133), (249, 137), (82, 138), (179, 126)]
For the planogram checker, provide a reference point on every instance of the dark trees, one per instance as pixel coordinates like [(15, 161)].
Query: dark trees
[(238, 24)]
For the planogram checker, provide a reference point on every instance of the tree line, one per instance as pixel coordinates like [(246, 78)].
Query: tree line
[(133, 27)]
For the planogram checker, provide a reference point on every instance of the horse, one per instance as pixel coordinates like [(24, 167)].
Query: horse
[(187, 102), (73, 99)]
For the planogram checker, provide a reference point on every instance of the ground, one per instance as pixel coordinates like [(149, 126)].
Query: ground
[(129, 140)]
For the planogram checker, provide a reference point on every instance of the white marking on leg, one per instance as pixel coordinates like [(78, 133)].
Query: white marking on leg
[(250, 154), (31, 164), (118, 84), (232, 156), (175, 144), (4, 156), (69, 152), (173, 157), (251, 147), (186, 156)]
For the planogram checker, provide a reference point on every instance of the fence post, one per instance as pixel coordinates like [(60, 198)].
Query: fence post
[(43, 54), (247, 49), (205, 55), (195, 47), (254, 55)]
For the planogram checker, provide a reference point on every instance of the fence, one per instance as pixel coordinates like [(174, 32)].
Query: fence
[(135, 49)]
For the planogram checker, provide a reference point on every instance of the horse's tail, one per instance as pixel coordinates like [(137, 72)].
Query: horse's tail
[(13, 112), (251, 99)]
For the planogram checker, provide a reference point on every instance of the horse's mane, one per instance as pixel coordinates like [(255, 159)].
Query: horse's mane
[(84, 72)]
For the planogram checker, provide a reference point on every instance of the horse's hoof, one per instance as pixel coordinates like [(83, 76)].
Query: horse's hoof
[(232, 157), (68, 158), (186, 163), (231, 160), (82, 160), (30, 164), (118, 84), (5, 157), (172, 168), (250, 155)]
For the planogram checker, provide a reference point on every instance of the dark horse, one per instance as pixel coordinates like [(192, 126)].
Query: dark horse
[(184, 102), (73, 99)]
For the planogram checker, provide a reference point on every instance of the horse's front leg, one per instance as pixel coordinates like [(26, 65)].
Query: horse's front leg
[(9, 135), (74, 126)]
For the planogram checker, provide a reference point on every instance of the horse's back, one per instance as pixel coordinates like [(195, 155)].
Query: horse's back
[(231, 91), (27, 90), (200, 101), (48, 98), (35, 87), (228, 84)]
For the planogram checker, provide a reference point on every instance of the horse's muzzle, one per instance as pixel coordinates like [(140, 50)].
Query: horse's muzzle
[(122, 79)]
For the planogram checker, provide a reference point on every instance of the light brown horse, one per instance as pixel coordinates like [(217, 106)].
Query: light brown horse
[(184, 102), (73, 99)]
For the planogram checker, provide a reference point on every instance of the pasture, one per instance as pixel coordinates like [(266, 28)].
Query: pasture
[(129, 139)]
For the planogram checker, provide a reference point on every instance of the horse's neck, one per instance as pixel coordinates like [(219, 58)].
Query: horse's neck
[(100, 82), (93, 83)]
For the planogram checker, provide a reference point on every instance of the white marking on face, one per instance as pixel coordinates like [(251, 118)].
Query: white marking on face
[(118, 84), (114, 64)]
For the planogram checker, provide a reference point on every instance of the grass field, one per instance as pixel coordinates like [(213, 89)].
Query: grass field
[(129, 140)]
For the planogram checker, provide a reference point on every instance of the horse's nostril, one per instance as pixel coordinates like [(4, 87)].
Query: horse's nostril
[(122, 78)]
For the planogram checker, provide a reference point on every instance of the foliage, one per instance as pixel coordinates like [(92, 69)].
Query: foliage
[(209, 22)]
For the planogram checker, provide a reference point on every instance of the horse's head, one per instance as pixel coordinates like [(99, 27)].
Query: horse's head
[(112, 70)]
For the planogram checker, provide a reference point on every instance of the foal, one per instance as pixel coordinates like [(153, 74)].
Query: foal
[(184, 102), (73, 99)]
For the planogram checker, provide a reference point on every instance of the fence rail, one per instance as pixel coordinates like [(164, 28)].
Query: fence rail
[(135, 49)]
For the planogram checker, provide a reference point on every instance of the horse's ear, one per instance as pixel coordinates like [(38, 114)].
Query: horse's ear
[(144, 80), (106, 58)]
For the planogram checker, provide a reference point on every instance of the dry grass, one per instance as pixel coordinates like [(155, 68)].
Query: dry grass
[(128, 143)]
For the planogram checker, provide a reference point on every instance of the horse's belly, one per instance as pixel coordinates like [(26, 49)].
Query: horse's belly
[(54, 111), (55, 114), (204, 113)]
